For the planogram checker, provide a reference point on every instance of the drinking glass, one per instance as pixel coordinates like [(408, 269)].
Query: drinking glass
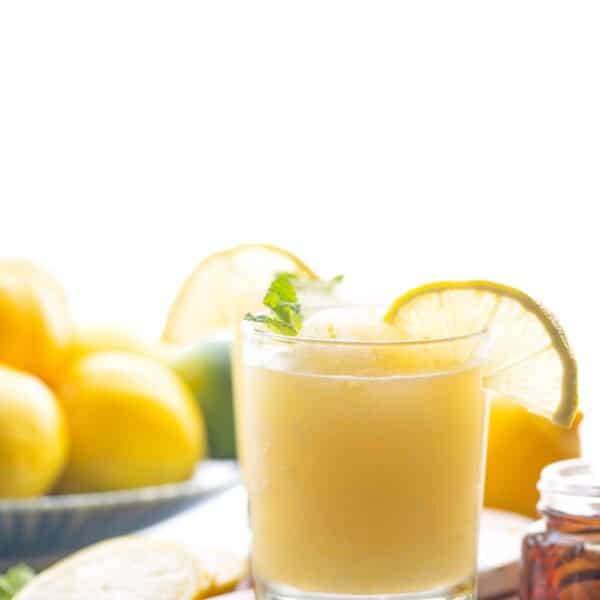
[(364, 464)]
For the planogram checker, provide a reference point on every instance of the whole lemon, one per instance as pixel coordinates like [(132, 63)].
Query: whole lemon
[(34, 320), (132, 423), (520, 445), (33, 440), (92, 339)]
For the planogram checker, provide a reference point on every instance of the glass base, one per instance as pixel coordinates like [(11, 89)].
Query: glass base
[(274, 591)]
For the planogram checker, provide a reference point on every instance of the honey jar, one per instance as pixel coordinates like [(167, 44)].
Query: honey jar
[(561, 553)]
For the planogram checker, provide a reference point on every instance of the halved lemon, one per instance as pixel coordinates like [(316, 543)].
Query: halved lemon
[(123, 568), (225, 286), (530, 359)]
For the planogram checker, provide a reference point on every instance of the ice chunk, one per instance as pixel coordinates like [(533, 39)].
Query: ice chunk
[(354, 323)]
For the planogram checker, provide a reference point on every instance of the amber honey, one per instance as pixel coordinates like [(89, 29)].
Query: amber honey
[(561, 555)]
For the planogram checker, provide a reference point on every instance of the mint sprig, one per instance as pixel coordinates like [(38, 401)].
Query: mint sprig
[(321, 285), (13, 580), (282, 299)]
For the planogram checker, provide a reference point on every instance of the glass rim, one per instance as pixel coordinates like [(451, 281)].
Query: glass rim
[(257, 330)]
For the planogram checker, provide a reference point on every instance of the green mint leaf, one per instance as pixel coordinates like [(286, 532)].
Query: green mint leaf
[(289, 313), (282, 299), (287, 274), (278, 325), (274, 324), (255, 318), (271, 300), (281, 327), (13, 580), (281, 290)]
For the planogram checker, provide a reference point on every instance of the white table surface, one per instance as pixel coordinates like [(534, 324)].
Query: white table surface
[(220, 522)]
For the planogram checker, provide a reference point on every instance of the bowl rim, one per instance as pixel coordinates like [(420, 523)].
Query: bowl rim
[(209, 476)]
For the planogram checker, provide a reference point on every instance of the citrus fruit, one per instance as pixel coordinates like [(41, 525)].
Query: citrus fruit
[(520, 445), (104, 338), (122, 568), (215, 298), (225, 568), (132, 423), (530, 359), (34, 320), (33, 440), (205, 367), (225, 286)]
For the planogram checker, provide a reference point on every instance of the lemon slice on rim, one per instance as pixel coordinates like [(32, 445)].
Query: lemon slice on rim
[(123, 568), (530, 359), (225, 286)]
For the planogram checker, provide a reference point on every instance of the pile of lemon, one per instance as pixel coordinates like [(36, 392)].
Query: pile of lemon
[(84, 411)]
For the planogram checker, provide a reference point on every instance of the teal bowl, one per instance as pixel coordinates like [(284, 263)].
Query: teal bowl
[(39, 531)]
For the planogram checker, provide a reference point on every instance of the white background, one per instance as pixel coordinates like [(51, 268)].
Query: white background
[(395, 142)]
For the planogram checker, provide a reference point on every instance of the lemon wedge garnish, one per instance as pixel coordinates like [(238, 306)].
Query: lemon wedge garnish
[(225, 286), (122, 568), (529, 360)]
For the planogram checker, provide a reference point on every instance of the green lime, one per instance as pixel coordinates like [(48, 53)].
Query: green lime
[(206, 368)]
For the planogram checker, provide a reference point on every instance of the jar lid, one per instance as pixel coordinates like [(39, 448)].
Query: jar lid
[(570, 486)]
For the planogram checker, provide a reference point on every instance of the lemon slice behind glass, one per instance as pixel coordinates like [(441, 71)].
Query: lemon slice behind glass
[(529, 360), (225, 286)]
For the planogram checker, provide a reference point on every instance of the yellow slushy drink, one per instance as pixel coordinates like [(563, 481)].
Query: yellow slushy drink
[(363, 458)]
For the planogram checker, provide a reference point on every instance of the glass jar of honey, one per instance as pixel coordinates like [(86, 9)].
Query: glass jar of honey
[(561, 553)]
